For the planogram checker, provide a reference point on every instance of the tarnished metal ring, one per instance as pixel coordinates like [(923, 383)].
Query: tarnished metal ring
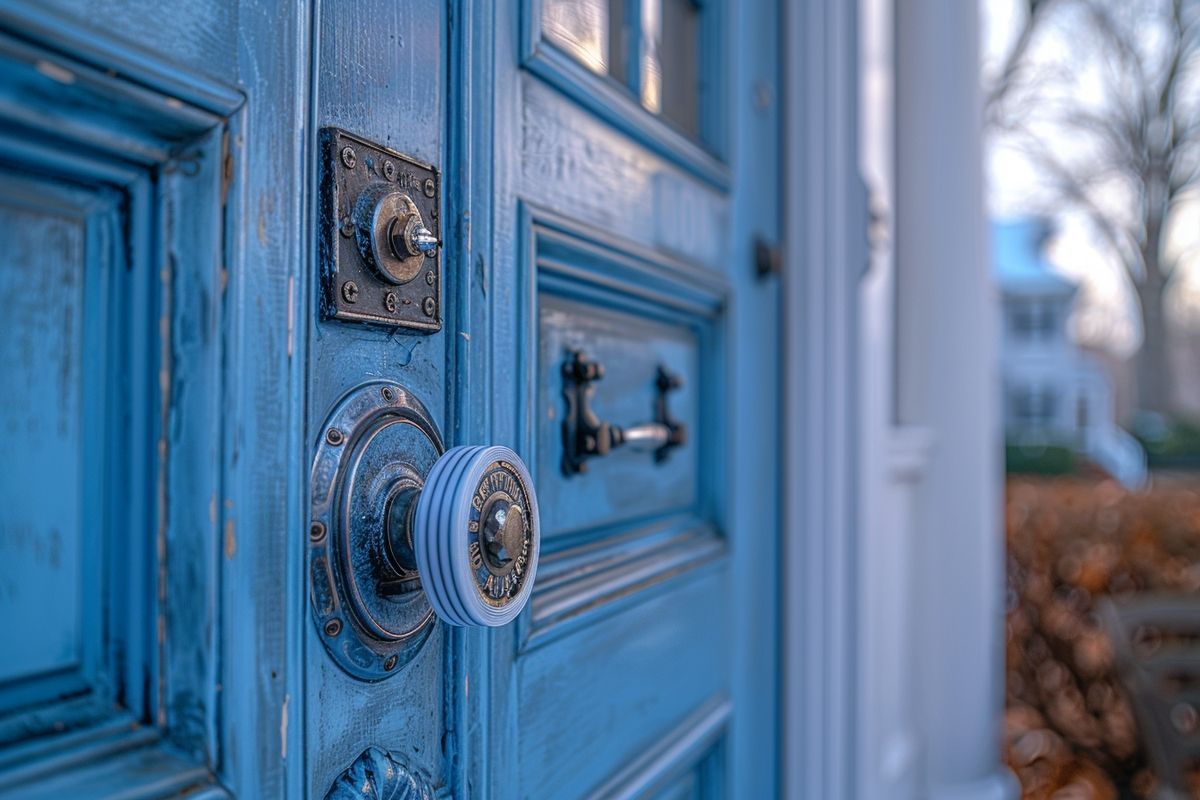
[(346, 603)]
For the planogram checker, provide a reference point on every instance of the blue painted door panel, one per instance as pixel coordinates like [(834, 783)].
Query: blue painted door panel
[(167, 373), (381, 74), (147, 370)]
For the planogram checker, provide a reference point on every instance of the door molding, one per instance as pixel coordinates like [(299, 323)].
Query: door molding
[(76, 117), (825, 257)]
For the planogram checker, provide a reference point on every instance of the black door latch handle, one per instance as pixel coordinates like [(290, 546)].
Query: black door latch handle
[(586, 436)]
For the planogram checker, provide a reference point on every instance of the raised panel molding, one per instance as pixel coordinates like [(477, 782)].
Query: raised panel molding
[(579, 585), (689, 761), (143, 152), (630, 188), (623, 553)]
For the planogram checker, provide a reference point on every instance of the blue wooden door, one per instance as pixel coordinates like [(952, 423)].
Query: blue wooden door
[(223, 390)]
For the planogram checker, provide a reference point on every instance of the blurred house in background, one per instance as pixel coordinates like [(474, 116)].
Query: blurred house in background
[(1054, 394)]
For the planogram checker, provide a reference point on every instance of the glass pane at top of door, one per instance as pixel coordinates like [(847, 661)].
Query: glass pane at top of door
[(651, 47), (582, 28), (670, 67)]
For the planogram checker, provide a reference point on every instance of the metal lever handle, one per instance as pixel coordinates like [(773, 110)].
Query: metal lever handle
[(647, 436), (586, 436)]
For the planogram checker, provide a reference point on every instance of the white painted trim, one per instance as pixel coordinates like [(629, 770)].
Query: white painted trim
[(947, 384), (825, 255), (909, 451), (997, 786)]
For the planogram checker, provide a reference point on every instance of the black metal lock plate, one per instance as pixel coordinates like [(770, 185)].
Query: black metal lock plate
[(372, 201)]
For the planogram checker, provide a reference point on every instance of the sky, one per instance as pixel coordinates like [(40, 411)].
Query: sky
[(1106, 315)]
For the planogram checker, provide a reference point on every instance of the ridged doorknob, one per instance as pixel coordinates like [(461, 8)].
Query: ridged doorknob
[(475, 533)]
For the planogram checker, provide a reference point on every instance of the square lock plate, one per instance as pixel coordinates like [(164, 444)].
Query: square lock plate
[(373, 202)]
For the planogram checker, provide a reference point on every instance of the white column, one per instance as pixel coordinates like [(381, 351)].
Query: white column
[(891, 461), (947, 385)]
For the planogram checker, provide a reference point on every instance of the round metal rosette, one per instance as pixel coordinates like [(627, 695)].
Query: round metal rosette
[(476, 535), (373, 453)]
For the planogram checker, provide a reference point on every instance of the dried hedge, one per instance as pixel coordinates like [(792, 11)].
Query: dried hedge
[(1069, 731)]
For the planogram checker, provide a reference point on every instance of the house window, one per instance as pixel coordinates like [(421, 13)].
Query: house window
[(1033, 320), (1034, 406), (1045, 322)]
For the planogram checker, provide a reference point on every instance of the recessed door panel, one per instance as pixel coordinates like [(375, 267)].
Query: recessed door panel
[(628, 484), (593, 703), (52, 416), (112, 195)]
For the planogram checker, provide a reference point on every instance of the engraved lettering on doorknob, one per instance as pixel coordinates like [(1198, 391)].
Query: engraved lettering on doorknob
[(477, 536)]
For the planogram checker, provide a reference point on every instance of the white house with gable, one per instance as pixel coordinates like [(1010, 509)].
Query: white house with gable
[(1053, 393)]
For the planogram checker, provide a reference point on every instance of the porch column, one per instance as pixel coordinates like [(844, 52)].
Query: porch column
[(947, 385)]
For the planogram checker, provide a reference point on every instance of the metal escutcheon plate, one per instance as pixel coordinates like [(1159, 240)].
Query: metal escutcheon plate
[(378, 443)]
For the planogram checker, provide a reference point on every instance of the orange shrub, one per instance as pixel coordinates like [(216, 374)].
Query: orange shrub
[(1069, 731)]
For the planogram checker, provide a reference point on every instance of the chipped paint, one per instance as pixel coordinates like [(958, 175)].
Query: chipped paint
[(54, 72), (166, 279), (226, 167), (266, 208), (212, 508), (291, 313), (283, 727), (230, 539)]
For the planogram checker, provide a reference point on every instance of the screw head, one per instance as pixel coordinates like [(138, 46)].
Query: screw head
[(349, 158), (347, 228), (429, 278), (429, 306), (334, 436), (389, 302), (389, 170), (388, 394), (1185, 718), (333, 627), (389, 664), (317, 531), (350, 292), (430, 188)]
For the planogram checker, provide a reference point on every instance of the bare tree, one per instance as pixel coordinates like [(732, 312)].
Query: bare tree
[(1113, 123), (1015, 67)]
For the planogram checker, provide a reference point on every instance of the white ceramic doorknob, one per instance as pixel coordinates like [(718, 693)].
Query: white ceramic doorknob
[(475, 534)]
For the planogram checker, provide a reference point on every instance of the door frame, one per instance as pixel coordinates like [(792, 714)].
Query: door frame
[(825, 258)]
